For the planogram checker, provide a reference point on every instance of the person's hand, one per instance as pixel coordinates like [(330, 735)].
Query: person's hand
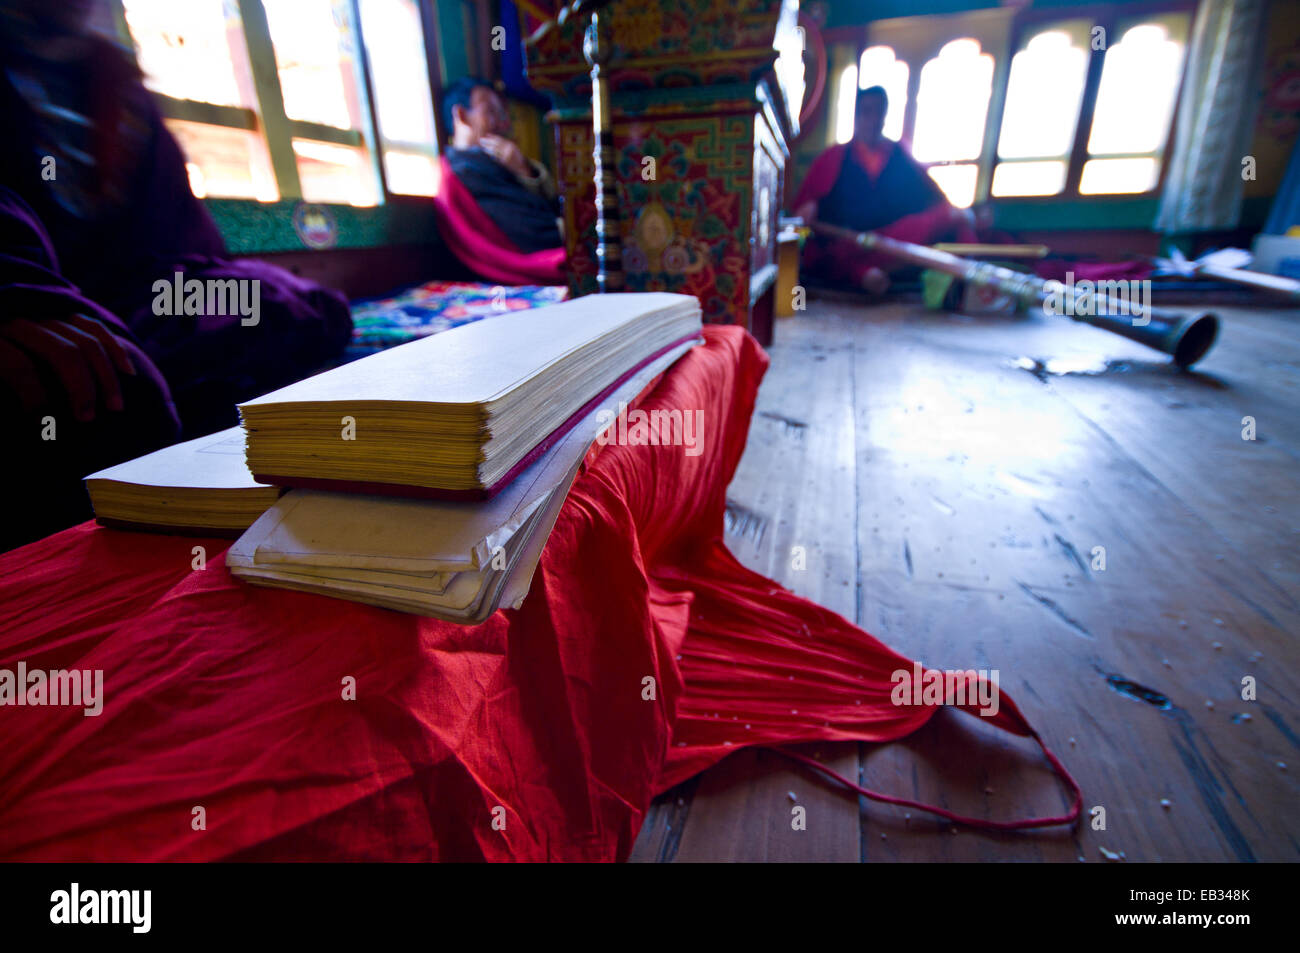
[(84, 356), (508, 153)]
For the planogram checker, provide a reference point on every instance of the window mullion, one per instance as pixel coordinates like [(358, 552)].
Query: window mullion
[(266, 80), (913, 90), (303, 129), (210, 114), (993, 126), (1087, 107), (418, 148), (370, 117)]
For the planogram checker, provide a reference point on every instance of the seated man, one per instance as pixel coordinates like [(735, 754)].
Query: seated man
[(516, 193), (871, 184)]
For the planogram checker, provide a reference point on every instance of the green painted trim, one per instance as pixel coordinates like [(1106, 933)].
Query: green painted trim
[(1103, 213), (454, 47), (1072, 214), (843, 13), (850, 13), (251, 228)]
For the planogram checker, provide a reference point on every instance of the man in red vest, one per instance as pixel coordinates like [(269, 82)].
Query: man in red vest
[(871, 184)]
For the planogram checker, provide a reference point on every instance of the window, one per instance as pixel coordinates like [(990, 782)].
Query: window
[(269, 98), (789, 44), (1135, 107), (1044, 93), (399, 75), (879, 67), (952, 107), (189, 55), (846, 98), (1083, 106)]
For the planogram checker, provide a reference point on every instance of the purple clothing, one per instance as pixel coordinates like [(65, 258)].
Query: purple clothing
[(43, 479), (117, 216), (146, 226)]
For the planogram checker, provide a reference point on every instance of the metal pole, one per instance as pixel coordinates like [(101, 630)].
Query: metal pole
[(609, 253)]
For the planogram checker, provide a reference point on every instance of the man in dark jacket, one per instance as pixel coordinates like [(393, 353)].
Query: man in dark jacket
[(517, 193)]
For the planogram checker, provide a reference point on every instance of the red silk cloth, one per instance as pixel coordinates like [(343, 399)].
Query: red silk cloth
[(227, 697), (481, 246)]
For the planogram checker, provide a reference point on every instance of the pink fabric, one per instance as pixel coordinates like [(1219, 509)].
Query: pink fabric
[(475, 239), (1060, 268)]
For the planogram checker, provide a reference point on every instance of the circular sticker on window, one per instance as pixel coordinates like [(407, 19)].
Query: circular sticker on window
[(315, 225)]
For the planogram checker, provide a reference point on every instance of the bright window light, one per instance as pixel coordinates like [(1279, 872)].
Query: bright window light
[(395, 46), (313, 54), (1136, 98), (410, 173), (846, 97), (1029, 178), (1119, 176), (335, 174), (952, 104), (226, 162), (957, 182), (399, 76), (878, 67), (185, 50), (1044, 92)]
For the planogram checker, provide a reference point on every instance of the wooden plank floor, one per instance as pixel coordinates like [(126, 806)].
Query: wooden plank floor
[(952, 482)]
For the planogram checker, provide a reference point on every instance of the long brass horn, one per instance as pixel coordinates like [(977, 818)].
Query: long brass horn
[(1185, 338)]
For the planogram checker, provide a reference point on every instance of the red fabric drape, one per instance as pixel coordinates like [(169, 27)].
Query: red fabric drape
[(481, 246), (230, 698)]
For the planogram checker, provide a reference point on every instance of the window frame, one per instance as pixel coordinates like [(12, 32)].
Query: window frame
[(1108, 17), (1020, 25), (277, 130)]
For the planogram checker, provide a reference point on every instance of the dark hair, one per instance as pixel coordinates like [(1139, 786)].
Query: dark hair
[(872, 91), (458, 94)]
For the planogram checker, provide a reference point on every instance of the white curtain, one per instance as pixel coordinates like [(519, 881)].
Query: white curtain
[(1216, 117)]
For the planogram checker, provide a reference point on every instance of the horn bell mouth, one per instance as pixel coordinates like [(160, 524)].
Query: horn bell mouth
[(1198, 336)]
